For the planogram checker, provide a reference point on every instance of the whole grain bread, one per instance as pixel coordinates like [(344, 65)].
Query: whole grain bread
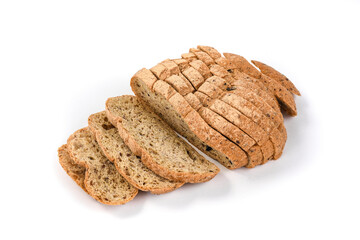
[(188, 124), (159, 147), (129, 165), (102, 181)]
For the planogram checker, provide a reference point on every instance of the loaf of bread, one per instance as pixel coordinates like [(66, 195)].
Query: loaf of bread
[(228, 108), (221, 104)]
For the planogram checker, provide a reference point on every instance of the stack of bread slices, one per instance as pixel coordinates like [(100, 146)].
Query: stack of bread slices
[(228, 108)]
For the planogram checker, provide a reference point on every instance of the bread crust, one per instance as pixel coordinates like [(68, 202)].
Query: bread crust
[(274, 74), (77, 174), (154, 190), (87, 174), (147, 159), (212, 52), (201, 67), (282, 94), (194, 77), (243, 65), (203, 56), (206, 134)]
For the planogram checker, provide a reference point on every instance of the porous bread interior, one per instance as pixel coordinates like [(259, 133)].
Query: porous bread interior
[(163, 108), (163, 145), (102, 181), (129, 165)]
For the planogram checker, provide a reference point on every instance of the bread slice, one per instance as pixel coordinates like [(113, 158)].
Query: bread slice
[(128, 165), (102, 181), (160, 148), (274, 74), (188, 124), (75, 171)]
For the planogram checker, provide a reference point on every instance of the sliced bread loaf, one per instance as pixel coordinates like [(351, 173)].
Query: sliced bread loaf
[(160, 148), (102, 181), (128, 165), (189, 125)]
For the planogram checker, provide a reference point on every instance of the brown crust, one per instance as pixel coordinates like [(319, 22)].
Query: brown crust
[(193, 100), (148, 77), (242, 64), (165, 88), (160, 71), (171, 67), (268, 151), (274, 74), (249, 110), (179, 84), (182, 63), (180, 104), (282, 94), (219, 71), (210, 90), (212, 52), (215, 140), (237, 118), (194, 77), (129, 179), (209, 136), (262, 94), (203, 56), (88, 188), (149, 162), (226, 128), (68, 164), (202, 68), (225, 63), (189, 56), (255, 156)]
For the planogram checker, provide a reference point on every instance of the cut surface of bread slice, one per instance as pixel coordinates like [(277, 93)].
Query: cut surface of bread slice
[(129, 165), (274, 74), (160, 148), (75, 171), (191, 125), (102, 181)]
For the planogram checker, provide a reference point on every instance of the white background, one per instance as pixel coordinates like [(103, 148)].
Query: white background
[(60, 61)]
